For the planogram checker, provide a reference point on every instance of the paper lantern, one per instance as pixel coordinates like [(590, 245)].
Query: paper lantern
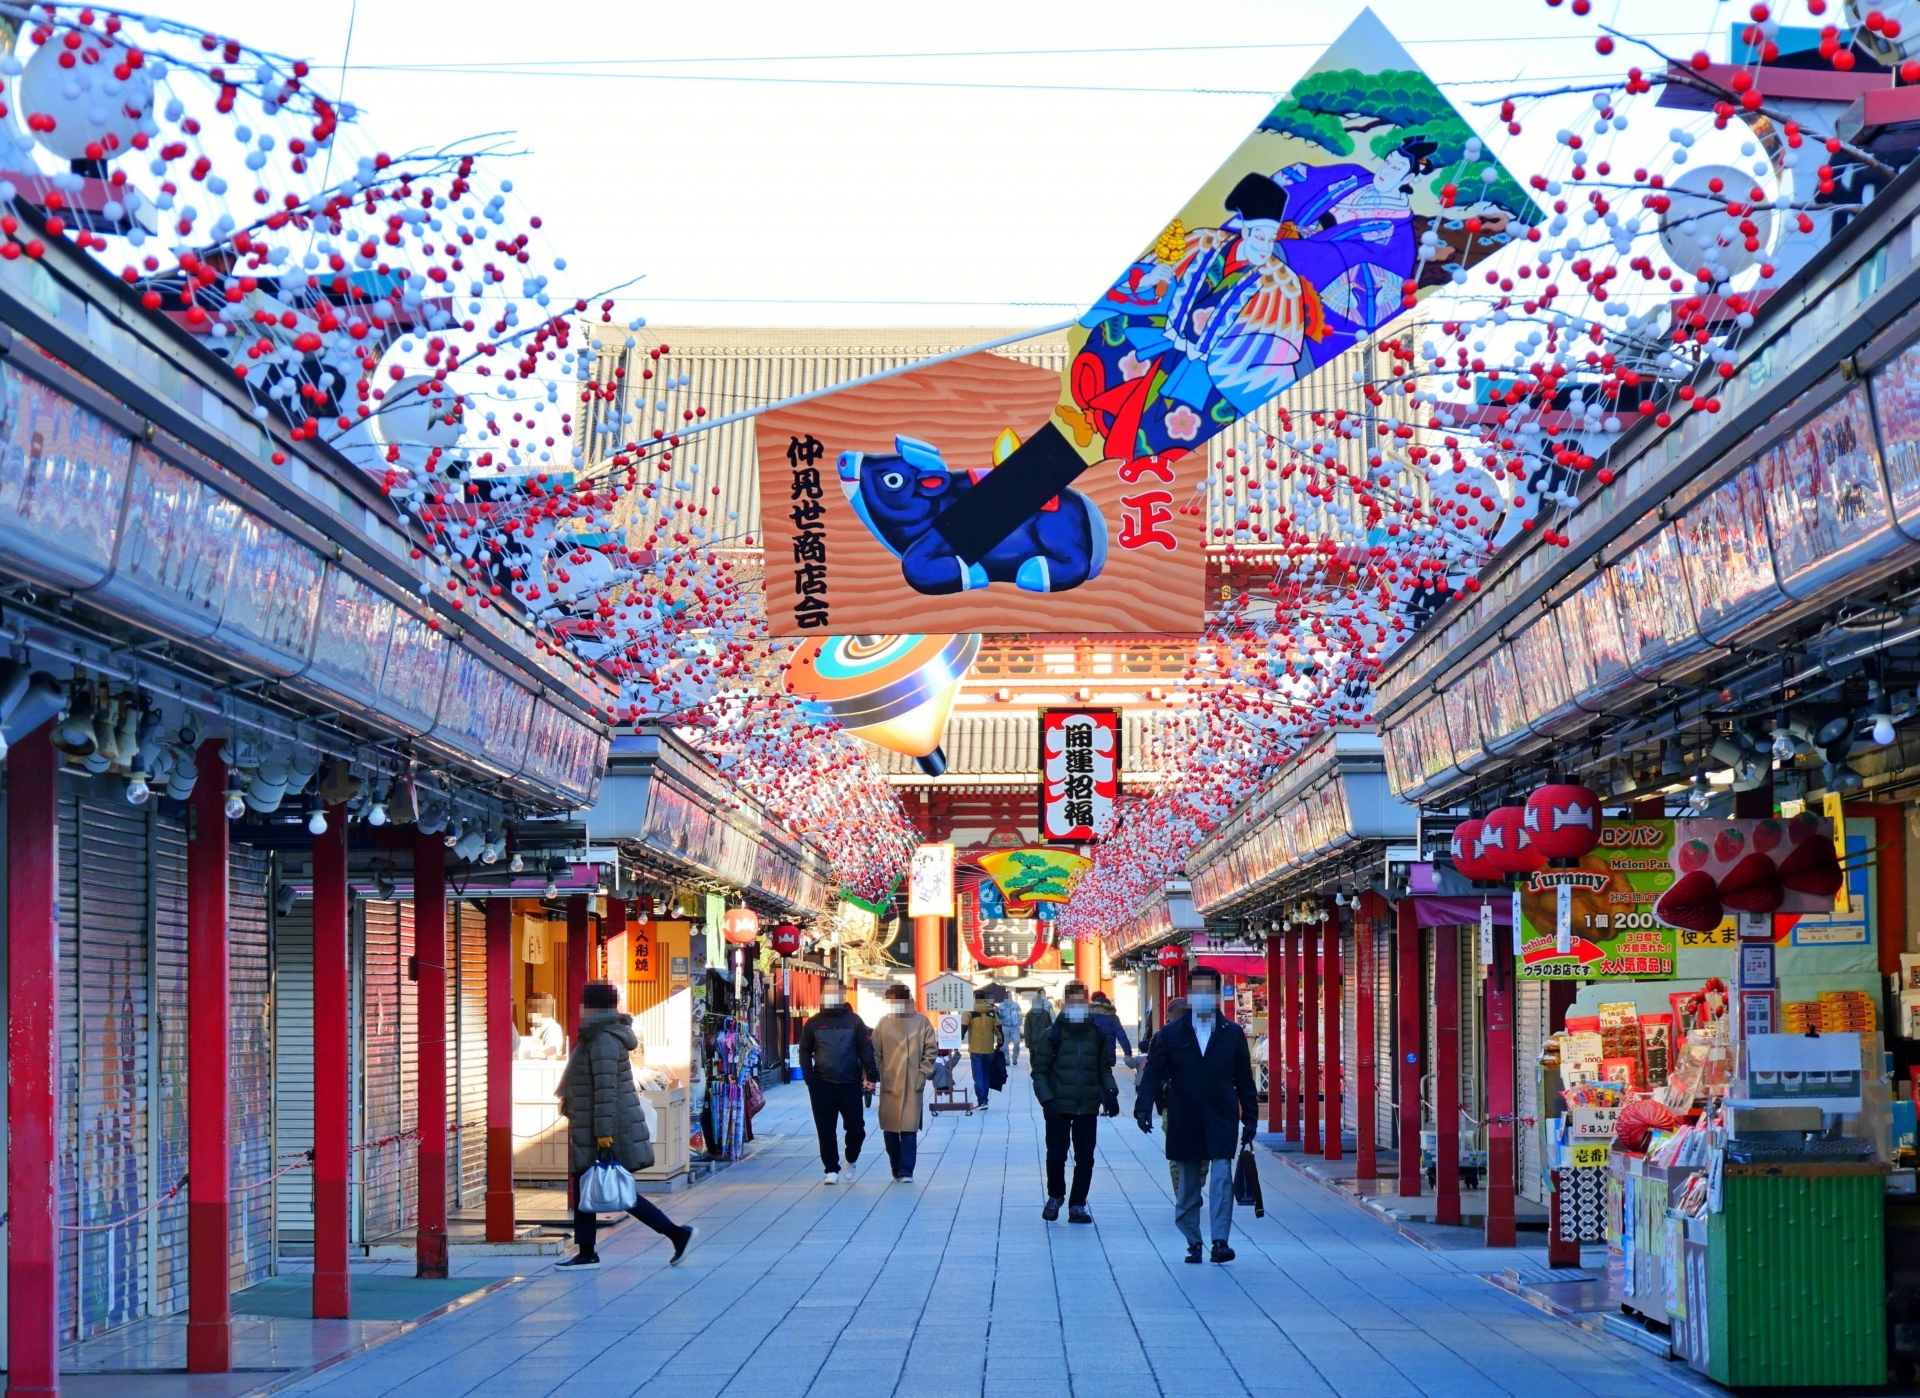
[(1504, 843), (1563, 820), (1171, 956), (786, 939), (1469, 857), (740, 925)]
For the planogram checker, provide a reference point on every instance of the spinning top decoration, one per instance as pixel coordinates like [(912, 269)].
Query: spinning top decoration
[(893, 691)]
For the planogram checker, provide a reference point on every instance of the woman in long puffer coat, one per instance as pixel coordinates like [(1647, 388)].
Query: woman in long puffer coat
[(604, 1120)]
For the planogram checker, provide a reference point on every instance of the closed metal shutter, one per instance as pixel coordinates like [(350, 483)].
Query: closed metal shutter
[(293, 1066), (249, 1067), (170, 1052), (1530, 1036), (1472, 1083), (467, 1035), (105, 981), (388, 1037), (1386, 1080), (1349, 1034)]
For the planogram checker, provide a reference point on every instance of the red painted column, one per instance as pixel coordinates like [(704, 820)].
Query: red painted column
[(1330, 1056), (430, 988), (1276, 1036), (1310, 1047), (500, 1217), (1366, 1165), (209, 1305), (1409, 1005), (33, 1066), (1292, 988), (1446, 1073), (1501, 1227), (580, 958), (332, 1023)]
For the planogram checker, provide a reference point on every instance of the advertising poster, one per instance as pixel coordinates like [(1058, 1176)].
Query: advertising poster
[(930, 882), (1615, 935), (980, 495)]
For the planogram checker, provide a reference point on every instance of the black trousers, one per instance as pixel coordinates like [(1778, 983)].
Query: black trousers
[(1081, 1130), (835, 1103), (586, 1227)]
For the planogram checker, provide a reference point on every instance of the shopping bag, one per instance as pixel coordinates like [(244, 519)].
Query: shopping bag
[(756, 1098), (1246, 1183), (606, 1188), (997, 1070)]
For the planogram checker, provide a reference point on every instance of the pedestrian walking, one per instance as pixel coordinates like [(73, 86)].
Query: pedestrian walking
[(1108, 1021), (985, 1038), (904, 1045), (1009, 1012), (604, 1121), (1073, 1080), (1039, 1017), (1203, 1063), (836, 1059)]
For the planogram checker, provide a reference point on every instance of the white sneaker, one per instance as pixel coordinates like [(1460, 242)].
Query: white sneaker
[(833, 1177), (849, 1171)]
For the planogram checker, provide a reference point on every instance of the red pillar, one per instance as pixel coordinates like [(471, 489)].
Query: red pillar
[(1292, 937), (209, 1313), (332, 1016), (580, 958), (1276, 1035), (1310, 1048), (1365, 1165), (1331, 989), (1501, 1228), (1446, 1073), (430, 987), (500, 1217), (1409, 1004), (33, 1066)]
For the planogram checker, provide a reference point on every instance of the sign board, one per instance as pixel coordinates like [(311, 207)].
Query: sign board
[(1079, 773), (533, 948), (930, 882), (947, 1030), (643, 941), (949, 992), (1591, 1123), (1590, 1154), (1601, 913)]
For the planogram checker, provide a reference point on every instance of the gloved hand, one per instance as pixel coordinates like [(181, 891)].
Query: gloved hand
[(1144, 1122), (1248, 1132), (1110, 1105)]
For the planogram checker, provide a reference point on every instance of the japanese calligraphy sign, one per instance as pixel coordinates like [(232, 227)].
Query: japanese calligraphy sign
[(1079, 772), (1615, 934), (643, 941), (849, 482), (930, 881)]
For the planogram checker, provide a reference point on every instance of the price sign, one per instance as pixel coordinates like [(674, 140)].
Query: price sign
[(947, 1030), (1592, 1123), (1589, 1154)]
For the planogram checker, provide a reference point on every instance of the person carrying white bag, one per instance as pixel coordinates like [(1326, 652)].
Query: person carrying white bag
[(607, 1130)]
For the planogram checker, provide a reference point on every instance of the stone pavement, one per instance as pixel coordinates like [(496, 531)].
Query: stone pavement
[(954, 1285)]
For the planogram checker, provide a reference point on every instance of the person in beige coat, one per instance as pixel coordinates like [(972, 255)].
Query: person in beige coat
[(903, 1041)]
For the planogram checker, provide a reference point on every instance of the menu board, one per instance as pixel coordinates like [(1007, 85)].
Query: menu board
[(416, 657), (275, 593), (350, 649), (63, 473), (1825, 499), (1655, 610), (176, 548), (1615, 933), (1727, 555), (1590, 629), (1896, 403)]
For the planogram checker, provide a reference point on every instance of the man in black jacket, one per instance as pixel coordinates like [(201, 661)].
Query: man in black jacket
[(1205, 1066), (836, 1059), (1073, 1080)]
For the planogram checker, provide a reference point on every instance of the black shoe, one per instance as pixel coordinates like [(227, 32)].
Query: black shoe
[(682, 1243), (1077, 1213), (580, 1262), (1221, 1253), (1193, 1252), (1051, 1211)]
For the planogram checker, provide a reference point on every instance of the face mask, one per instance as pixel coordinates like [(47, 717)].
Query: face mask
[(901, 1007), (832, 1002), (1201, 1002), (1077, 1014)]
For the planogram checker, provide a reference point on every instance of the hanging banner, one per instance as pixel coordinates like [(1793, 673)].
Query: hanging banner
[(643, 941), (930, 882), (533, 947), (1612, 932), (980, 495), (1079, 773)]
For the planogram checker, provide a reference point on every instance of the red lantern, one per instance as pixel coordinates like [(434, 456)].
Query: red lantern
[(1468, 855), (1563, 821), (1172, 956), (740, 926), (786, 939), (1504, 843)]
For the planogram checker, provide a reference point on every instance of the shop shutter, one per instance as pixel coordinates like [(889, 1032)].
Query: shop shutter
[(385, 1171), (1386, 1080), (1349, 1036), (293, 1066), (105, 980), (1530, 1036), (249, 1067), (1472, 1085), (170, 1052), (468, 1155)]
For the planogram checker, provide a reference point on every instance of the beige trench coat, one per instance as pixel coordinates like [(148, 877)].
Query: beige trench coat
[(904, 1044)]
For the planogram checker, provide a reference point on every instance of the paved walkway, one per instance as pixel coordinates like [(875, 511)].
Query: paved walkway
[(955, 1286)]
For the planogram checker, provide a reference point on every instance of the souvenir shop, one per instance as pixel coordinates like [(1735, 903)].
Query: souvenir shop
[(1681, 749)]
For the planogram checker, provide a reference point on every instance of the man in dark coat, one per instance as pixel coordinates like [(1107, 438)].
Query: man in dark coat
[(1206, 1068), (1073, 1080), (602, 1107), (836, 1059)]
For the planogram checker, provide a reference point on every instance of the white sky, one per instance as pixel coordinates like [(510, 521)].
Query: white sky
[(710, 147)]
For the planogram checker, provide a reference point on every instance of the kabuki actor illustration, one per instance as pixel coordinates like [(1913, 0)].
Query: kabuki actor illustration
[(963, 508)]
